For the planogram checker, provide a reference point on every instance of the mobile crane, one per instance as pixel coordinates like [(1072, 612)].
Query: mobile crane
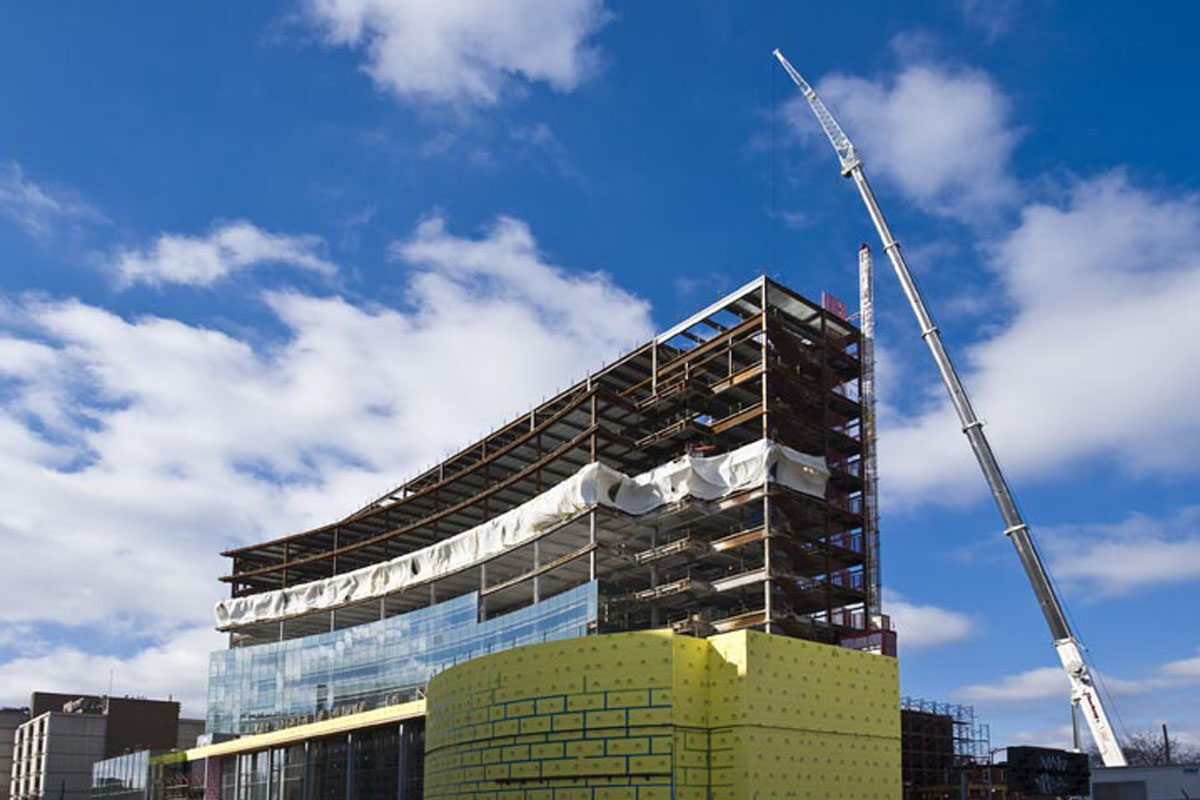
[(1084, 694)]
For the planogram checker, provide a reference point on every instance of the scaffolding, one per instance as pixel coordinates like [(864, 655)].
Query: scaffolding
[(761, 363), (942, 745)]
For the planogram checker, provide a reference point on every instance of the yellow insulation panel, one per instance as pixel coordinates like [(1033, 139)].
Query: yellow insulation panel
[(654, 715)]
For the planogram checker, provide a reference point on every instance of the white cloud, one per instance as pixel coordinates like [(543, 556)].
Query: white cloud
[(993, 17), (38, 208), (1185, 669), (1044, 682), (176, 667), (922, 625), (136, 449), (1084, 367), (1138, 552), (1032, 684), (506, 264), (1060, 736), (204, 260), (941, 136), (465, 51)]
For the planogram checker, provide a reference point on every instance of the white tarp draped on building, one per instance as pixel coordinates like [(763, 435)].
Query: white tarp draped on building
[(704, 478)]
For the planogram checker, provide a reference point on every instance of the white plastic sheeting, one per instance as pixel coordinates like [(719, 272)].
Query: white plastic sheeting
[(704, 478)]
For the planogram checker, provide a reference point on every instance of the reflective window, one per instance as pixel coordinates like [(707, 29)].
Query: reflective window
[(121, 778), (381, 763), (228, 777), (376, 763), (259, 688), (293, 773), (327, 768)]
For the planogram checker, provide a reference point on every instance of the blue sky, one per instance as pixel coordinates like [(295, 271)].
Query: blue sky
[(232, 236)]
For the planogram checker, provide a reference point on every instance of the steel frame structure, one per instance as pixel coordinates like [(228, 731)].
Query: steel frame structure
[(941, 745), (762, 362)]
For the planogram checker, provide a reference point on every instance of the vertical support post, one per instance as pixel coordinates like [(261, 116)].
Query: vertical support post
[(537, 580), (870, 475), (538, 457), (654, 616), (592, 439), (482, 596), (308, 793), (592, 542), (402, 762), (337, 543), (768, 593), (654, 367), (487, 512)]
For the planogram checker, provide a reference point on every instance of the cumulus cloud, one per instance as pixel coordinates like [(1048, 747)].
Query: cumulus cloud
[(465, 51), (922, 625), (38, 208), (1184, 669), (135, 449), (1136, 553), (1032, 684), (940, 135), (176, 667), (1081, 367), (506, 263), (1045, 682), (228, 248)]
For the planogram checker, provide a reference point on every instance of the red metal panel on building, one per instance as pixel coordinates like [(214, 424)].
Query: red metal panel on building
[(833, 305)]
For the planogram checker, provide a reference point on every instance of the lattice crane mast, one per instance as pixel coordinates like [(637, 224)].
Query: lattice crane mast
[(1084, 693)]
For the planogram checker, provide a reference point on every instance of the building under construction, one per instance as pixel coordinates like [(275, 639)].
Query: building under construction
[(711, 481), (943, 750)]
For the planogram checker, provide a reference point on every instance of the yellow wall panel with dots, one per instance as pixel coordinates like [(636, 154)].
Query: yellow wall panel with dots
[(649, 715)]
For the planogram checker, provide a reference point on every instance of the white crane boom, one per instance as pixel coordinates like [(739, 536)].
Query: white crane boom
[(1083, 688)]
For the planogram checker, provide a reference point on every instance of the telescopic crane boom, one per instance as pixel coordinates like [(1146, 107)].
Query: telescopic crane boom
[(1083, 689)]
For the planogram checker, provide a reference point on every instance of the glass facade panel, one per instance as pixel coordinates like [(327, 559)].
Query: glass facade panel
[(259, 688), (173, 777), (228, 777), (412, 760), (327, 766), (376, 763), (122, 777), (293, 773), (380, 763)]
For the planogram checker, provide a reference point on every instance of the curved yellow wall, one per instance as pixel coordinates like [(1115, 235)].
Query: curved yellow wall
[(652, 715)]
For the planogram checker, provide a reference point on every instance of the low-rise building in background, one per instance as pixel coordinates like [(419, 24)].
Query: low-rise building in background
[(54, 750), (10, 720)]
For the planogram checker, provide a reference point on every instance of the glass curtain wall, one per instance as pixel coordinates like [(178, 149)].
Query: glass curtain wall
[(381, 763), (267, 686), (124, 777)]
